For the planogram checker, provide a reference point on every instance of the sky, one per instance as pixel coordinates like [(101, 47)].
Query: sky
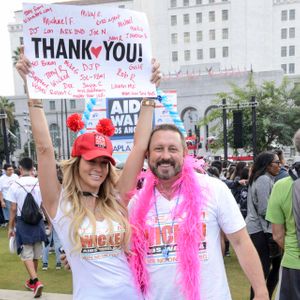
[(7, 16)]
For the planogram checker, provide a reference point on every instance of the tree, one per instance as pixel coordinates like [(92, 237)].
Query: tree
[(277, 114), (7, 108)]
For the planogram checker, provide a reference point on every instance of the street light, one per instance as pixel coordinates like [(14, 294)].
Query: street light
[(27, 131)]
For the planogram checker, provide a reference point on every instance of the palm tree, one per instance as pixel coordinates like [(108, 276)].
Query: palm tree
[(16, 55), (7, 108)]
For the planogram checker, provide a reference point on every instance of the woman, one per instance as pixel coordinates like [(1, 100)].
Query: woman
[(88, 210), (266, 167)]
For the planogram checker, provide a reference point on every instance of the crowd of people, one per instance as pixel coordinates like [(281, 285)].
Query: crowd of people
[(156, 234)]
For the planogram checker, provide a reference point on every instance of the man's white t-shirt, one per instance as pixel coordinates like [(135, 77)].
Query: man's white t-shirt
[(17, 194), (5, 183), (100, 270), (221, 212)]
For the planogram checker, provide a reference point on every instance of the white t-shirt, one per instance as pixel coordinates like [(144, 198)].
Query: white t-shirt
[(17, 194), (221, 212), (99, 271), (5, 183)]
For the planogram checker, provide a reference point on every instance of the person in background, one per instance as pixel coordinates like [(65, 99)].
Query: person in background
[(6, 180), (266, 167), (29, 237), (53, 242), (284, 213), (283, 171)]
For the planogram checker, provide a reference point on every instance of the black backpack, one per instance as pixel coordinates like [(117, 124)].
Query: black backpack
[(30, 213)]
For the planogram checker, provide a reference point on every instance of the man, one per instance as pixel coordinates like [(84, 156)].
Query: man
[(29, 237), (6, 181), (177, 219), (283, 172), (280, 214)]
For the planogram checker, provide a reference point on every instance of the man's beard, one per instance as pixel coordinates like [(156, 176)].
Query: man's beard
[(169, 173)]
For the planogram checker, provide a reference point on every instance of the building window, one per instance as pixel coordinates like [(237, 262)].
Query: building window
[(291, 68), (224, 14), (199, 36), (121, 6), (225, 33), (225, 51), (174, 38), (211, 1), (199, 17), (186, 37), (283, 51), (284, 15), (174, 56), (283, 67), (173, 20), (173, 3), (186, 19), (199, 54), (72, 104), (187, 55), (292, 32), (211, 16), (186, 2), (291, 50), (54, 133), (283, 33), (212, 53), (212, 34), (198, 2), (21, 40), (292, 14), (52, 105)]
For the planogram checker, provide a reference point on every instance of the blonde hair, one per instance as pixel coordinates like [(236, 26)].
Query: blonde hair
[(110, 208)]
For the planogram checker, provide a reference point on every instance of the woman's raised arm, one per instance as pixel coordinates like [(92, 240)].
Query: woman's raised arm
[(49, 184)]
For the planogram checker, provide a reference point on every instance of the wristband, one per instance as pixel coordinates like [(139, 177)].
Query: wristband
[(148, 102), (35, 103)]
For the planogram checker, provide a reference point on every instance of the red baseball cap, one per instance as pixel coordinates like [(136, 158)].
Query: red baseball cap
[(91, 145)]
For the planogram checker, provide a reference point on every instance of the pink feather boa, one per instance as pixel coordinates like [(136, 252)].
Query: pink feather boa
[(189, 235)]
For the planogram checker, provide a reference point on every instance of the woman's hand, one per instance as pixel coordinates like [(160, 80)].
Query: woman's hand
[(156, 74), (23, 65)]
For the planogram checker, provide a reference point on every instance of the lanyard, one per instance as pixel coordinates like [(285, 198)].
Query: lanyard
[(165, 251)]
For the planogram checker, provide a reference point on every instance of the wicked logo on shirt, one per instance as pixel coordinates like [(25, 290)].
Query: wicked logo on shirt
[(101, 242)]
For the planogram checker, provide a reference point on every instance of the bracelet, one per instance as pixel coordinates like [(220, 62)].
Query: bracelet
[(35, 103), (148, 102)]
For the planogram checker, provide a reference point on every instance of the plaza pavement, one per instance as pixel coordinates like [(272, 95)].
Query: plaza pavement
[(28, 295)]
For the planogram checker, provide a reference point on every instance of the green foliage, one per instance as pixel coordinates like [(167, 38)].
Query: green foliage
[(277, 114), (12, 125)]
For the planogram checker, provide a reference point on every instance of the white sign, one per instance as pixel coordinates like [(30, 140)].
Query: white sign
[(87, 52)]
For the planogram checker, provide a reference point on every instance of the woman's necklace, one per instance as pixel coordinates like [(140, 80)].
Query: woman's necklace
[(165, 251)]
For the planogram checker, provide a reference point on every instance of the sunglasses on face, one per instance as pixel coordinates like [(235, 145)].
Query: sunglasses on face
[(276, 162)]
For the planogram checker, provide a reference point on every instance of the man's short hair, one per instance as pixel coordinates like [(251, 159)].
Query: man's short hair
[(168, 127), (279, 153), (297, 140), (217, 164), (6, 166), (26, 163)]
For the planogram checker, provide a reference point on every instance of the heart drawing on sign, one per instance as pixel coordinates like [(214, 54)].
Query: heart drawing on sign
[(96, 51)]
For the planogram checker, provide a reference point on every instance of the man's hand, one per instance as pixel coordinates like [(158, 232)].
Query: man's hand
[(10, 233)]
